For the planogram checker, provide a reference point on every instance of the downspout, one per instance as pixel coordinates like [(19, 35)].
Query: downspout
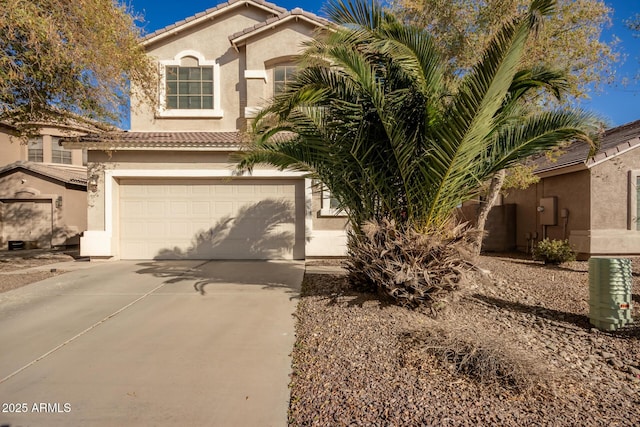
[(564, 214)]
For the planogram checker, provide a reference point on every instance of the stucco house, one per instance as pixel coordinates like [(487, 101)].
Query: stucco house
[(167, 188), (591, 201), (43, 191)]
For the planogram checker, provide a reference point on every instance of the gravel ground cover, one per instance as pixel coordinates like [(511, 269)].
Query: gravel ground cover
[(14, 263), (361, 361)]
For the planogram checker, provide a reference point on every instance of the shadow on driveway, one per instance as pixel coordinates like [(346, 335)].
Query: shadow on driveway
[(210, 275)]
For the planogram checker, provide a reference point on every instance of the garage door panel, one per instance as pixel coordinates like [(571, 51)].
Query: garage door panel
[(223, 189), (211, 219), (154, 209), (178, 208), (27, 220), (201, 208)]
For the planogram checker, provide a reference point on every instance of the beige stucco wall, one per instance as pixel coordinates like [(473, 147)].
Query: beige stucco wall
[(68, 220), (211, 40), (613, 212), (598, 203), (572, 193), (258, 53), (610, 190), (12, 149), (277, 46)]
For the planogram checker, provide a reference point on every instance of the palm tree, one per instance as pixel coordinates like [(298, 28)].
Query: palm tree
[(371, 116)]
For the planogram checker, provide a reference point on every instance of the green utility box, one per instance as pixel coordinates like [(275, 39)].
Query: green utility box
[(610, 284)]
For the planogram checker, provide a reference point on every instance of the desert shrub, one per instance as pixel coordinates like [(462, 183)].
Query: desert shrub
[(412, 268), (483, 358), (553, 251)]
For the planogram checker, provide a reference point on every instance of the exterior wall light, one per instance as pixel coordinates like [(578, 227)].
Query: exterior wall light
[(92, 183), (59, 202), (540, 208)]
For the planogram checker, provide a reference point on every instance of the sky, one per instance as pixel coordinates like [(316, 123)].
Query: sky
[(615, 103)]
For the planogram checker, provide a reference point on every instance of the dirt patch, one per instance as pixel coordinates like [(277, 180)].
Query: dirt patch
[(360, 361), (14, 267), (13, 281)]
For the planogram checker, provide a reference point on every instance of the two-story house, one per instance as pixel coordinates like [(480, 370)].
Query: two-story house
[(43, 191), (167, 188)]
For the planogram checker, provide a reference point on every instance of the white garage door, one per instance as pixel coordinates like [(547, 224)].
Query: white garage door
[(211, 219)]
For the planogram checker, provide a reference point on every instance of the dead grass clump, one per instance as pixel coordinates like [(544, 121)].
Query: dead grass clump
[(484, 359)]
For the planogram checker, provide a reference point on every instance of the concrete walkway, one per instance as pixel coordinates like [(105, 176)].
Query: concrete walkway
[(190, 343)]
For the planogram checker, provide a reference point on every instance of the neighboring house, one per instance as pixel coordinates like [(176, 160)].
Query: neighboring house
[(594, 202), (45, 148), (42, 205), (43, 190), (167, 188)]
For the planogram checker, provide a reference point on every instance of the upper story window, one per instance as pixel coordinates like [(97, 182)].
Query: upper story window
[(59, 154), (36, 153), (282, 76), (191, 86)]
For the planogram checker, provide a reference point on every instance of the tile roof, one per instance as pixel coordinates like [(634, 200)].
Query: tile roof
[(212, 11), (613, 142), (157, 140), (276, 20), (69, 174)]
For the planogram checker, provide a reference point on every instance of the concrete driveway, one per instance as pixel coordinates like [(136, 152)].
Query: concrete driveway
[(188, 343)]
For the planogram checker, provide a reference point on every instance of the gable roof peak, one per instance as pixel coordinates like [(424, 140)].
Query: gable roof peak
[(209, 14), (240, 37)]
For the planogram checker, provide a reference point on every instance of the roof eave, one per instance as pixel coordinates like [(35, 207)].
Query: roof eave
[(111, 146), (15, 167), (241, 40), (561, 170), (619, 149)]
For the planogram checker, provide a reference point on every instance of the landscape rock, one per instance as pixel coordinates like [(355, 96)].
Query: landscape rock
[(360, 361)]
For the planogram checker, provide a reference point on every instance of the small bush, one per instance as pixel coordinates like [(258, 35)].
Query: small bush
[(553, 251)]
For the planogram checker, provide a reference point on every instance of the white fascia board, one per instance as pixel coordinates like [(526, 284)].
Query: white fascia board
[(591, 164)]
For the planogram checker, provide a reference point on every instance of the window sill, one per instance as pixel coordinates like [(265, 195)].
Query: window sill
[(213, 114), (333, 213)]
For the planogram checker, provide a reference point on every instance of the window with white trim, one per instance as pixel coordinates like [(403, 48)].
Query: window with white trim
[(59, 154), (36, 153), (190, 86), (282, 76), (329, 204)]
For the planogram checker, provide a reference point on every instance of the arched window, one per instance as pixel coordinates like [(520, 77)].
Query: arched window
[(191, 86)]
